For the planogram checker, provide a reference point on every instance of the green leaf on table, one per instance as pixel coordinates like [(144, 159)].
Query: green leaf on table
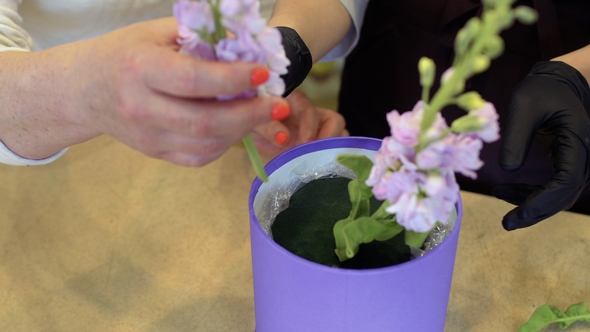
[(548, 314)]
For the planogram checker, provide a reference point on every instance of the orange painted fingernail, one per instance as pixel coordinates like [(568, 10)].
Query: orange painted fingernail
[(259, 75), (310, 140), (281, 137), (280, 111)]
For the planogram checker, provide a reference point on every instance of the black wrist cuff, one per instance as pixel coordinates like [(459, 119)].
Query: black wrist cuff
[(300, 57), (567, 74)]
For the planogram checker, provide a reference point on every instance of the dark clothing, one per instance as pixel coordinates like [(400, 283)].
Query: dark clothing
[(381, 73)]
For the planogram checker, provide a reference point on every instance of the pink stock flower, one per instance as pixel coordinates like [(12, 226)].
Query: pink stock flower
[(250, 40), (194, 15), (241, 15), (455, 152), (403, 182), (187, 38), (378, 170), (275, 86), (417, 211), (413, 213), (489, 121), (420, 185), (463, 156), (405, 127)]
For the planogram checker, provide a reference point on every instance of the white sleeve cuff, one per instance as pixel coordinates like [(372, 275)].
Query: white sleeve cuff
[(10, 158), (356, 9), (12, 35), (8, 49)]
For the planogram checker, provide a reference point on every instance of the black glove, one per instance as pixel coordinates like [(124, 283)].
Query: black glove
[(551, 103), (298, 53)]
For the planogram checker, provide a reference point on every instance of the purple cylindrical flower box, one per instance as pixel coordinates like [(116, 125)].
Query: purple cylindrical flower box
[(292, 294)]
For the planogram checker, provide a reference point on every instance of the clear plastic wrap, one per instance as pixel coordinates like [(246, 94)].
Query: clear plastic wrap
[(278, 196)]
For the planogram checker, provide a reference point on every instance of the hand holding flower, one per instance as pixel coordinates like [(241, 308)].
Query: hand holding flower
[(307, 122)]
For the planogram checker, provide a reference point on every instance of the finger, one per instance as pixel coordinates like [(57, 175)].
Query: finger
[(209, 118), (184, 75), (514, 193), (189, 160), (189, 151), (274, 132), (304, 121), (160, 144), (561, 191), (266, 147), (520, 128), (331, 124), (540, 206)]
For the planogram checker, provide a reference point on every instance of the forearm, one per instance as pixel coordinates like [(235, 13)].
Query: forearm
[(579, 59), (37, 106), (321, 24)]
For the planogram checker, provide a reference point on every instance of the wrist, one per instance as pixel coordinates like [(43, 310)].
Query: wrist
[(564, 72), (300, 57), (37, 114)]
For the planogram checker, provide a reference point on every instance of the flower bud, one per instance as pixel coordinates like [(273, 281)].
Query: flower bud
[(467, 123), (470, 101), (480, 63), (426, 68), (506, 3), (525, 15), (465, 36), (497, 3), (505, 19), (446, 77), (494, 46)]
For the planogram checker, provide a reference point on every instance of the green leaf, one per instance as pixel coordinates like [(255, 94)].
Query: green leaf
[(363, 209), (339, 237), (360, 165), (576, 312), (416, 239), (381, 214), (359, 191), (389, 230), (350, 234), (547, 314)]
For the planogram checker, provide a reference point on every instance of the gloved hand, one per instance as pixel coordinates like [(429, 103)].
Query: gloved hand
[(300, 57), (551, 103)]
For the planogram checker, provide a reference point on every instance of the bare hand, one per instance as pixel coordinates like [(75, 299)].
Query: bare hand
[(133, 85), (306, 123)]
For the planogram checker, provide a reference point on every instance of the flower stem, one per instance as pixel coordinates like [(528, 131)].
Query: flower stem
[(381, 213), (255, 157)]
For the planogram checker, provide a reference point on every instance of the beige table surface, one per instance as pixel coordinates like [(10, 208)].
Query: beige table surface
[(106, 239)]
